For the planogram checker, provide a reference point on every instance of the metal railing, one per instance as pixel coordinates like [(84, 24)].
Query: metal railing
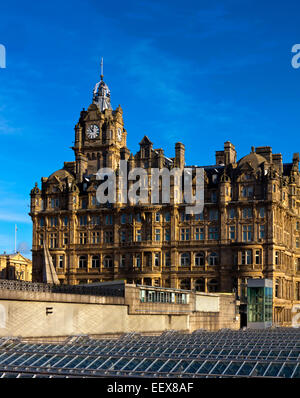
[(67, 289)]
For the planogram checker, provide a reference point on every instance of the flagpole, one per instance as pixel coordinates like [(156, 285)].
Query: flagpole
[(15, 238)]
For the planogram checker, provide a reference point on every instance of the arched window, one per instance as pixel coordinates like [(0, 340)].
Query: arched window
[(185, 259), (213, 258), (107, 262), (200, 285), (95, 262), (200, 259), (82, 262), (185, 284), (212, 285)]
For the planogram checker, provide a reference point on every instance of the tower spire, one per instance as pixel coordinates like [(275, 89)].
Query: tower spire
[(101, 93), (101, 76)]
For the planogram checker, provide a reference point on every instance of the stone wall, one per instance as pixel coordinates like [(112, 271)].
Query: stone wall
[(41, 314)]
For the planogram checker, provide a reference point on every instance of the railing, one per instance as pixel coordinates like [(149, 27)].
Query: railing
[(67, 289)]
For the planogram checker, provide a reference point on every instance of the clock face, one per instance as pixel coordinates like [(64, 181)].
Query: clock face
[(92, 131), (119, 134)]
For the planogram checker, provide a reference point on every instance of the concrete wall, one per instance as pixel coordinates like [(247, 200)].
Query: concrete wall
[(39, 314)]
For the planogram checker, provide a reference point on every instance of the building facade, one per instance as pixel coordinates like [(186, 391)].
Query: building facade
[(249, 228), (15, 267)]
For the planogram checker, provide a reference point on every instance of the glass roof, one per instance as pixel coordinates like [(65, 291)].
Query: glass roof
[(226, 353)]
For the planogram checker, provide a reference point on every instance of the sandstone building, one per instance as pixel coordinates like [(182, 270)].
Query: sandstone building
[(250, 226), (15, 267)]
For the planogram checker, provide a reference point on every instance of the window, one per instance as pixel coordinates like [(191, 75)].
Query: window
[(199, 234), (185, 284), (297, 225), (53, 221), (108, 219), (123, 219), (262, 232), (84, 203), (54, 203), (199, 217), (95, 237), (65, 221), (108, 237), (297, 243), (157, 235), (66, 238), (213, 259), (138, 217), (277, 288), (185, 234), (138, 235), (213, 196), (53, 241), (262, 212), (213, 233), (247, 191), (123, 261), (167, 235), (232, 213), (82, 262), (94, 200), (83, 238), (157, 259), (184, 216), (95, 262), (83, 220), (213, 215), (232, 232), (138, 260), (41, 239), (95, 220), (167, 259), (42, 221), (107, 262), (123, 236), (185, 259), (257, 257), (167, 217), (246, 257), (200, 285), (247, 233), (247, 212), (199, 259), (157, 217), (276, 258), (212, 286), (61, 262)]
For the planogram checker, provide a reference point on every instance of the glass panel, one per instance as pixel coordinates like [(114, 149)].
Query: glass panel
[(182, 365), (297, 373), (206, 367), (259, 369), (85, 363), (168, 366), (194, 366), (273, 369), (287, 370), (131, 365), (246, 368), (144, 365), (97, 363), (219, 368), (233, 368)]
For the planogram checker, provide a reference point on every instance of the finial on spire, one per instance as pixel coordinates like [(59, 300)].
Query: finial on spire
[(101, 76)]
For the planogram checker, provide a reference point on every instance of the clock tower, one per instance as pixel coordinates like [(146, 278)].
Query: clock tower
[(100, 137)]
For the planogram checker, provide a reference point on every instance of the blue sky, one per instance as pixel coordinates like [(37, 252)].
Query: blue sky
[(200, 72)]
